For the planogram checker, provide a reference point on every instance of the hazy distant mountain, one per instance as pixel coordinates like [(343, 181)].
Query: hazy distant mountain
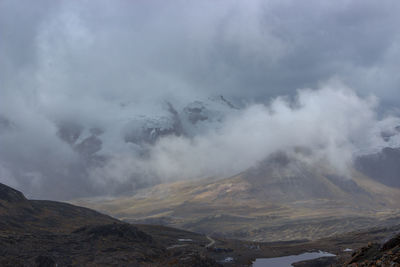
[(282, 198), (383, 166), (190, 120), (193, 119)]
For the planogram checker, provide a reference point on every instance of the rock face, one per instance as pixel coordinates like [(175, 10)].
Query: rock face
[(387, 254)]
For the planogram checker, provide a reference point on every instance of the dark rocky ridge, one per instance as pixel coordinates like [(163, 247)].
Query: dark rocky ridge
[(49, 233), (21, 215), (10, 195)]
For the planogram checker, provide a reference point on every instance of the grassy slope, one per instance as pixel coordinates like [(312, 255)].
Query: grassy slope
[(276, 207)]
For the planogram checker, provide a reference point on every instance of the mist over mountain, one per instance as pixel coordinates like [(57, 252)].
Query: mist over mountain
[(101, 98), (383, 166)]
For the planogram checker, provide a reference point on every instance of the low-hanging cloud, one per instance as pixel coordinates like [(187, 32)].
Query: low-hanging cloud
[(333, 122), (77, 76)]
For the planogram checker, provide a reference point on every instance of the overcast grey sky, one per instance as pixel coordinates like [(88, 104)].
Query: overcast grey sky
[(79, 60), (252, 49)]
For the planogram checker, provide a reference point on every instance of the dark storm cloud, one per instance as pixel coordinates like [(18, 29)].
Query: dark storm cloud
[(244, 49), (101, 63)]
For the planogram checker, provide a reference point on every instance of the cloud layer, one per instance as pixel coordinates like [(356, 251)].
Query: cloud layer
[(101, 64), (333, 123)]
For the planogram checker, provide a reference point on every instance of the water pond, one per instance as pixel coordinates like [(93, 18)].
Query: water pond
[(288, 260)]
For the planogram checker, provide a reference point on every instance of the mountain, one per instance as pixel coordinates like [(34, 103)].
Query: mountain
[(383, 166), (192, 119), (282, 198), (188, 120)]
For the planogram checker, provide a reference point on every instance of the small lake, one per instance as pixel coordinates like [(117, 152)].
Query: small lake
[(288, 260)]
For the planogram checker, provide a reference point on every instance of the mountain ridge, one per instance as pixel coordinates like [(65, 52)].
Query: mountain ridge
[(282, 198)]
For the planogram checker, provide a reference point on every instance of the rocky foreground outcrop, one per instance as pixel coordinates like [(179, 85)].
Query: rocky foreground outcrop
[(374, 254)]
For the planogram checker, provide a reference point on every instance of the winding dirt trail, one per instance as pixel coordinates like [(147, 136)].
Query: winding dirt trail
[(212, 242)]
